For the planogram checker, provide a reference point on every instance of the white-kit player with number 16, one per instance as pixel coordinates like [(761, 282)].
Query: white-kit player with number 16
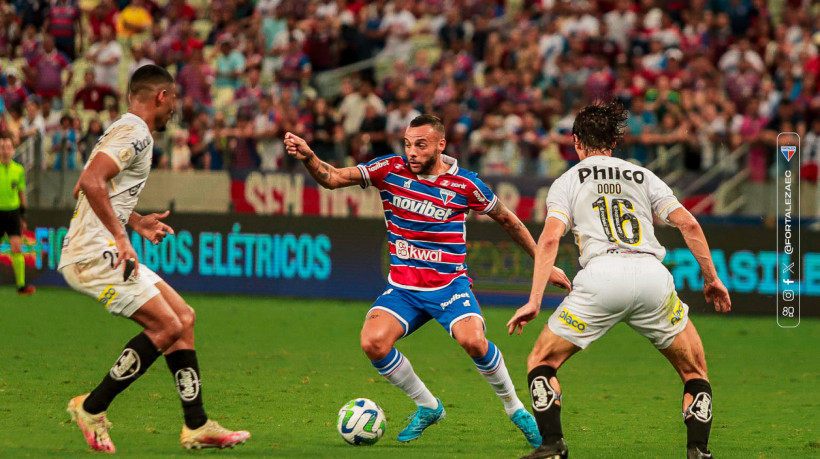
[(609, 205), (97, 245)]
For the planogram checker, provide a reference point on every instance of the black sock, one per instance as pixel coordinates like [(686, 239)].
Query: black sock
[(698, 415), (135, 359), (544, 407), (185, 368)]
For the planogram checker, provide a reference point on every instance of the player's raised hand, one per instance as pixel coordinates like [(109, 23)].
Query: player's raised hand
[(522, 316), (559, 279), (715, 292), (297, 147), (126, 254), (150, 227)]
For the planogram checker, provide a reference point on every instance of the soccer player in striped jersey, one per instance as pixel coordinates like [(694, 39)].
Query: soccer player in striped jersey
[(426, 198)]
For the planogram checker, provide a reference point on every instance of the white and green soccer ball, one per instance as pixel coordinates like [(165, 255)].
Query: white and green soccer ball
[(361, 422)]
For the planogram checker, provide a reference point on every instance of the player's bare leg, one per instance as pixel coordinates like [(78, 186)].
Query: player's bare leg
[(198, 431), (547, 356), (162, 328), (469, 332), (379, 333), (687, 356)]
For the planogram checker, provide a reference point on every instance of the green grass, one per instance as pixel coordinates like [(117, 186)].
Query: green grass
[(281, 368)]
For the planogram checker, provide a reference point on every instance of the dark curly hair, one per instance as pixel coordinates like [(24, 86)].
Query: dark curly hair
[(601, 125)]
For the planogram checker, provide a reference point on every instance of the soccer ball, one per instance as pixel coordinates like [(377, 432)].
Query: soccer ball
[(361, 422)]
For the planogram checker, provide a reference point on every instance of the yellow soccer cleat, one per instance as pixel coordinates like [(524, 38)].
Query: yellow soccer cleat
[(212, 435), (94, 426)]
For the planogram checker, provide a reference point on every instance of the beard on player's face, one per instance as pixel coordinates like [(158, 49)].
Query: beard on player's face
[(426, 167)]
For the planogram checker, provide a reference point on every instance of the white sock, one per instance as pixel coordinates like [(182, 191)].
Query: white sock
[(492, 367), (397, 369)]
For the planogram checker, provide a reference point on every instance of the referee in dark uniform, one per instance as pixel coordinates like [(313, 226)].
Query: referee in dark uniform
[(12, 210)]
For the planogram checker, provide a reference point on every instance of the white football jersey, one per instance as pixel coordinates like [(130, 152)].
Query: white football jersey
[(608, 204), (129, 143)]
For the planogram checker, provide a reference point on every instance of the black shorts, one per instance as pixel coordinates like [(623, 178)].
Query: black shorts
[(10, 222)]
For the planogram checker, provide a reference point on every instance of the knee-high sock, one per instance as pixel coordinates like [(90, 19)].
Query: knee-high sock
[(397, 369), (185, 368), (18, 263), (698, 416), (545, 403), (137, 356), (492, 367)]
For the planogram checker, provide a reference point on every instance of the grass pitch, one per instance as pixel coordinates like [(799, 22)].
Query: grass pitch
[(281, 368)]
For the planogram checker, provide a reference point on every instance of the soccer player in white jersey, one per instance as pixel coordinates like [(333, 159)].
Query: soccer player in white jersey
[(609, 205), (98, 260), (426, 198)]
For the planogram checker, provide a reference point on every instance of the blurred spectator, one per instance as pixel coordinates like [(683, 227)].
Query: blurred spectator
[(13, 93), (397, 121), (45, 71), (90, 138), (64, 23), (195, 80), (180, 9), (134, 19), (201, 141), (266, 131), (180, 152), (371, 140), (184, 43), (105, 55), (322, 45), (327, 133), (93, 94), (140, 57), (33, 12), (242, 144), (30, 44), (104, 12), (398, 25), (351, 110), (64, 145), (230, 64), (492, 148), (251, 92), (295, 66), (641, 121)]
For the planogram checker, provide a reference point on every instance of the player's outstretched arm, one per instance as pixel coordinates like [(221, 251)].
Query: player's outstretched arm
[(150, 227), (545, 253), (94, 185), (713, 288), (521, 235), (325, 175)]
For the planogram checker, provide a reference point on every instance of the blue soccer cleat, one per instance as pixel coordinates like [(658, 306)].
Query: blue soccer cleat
[(526, 423), (420, 420)]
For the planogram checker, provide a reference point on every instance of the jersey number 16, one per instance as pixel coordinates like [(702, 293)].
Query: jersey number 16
[(617, 219)]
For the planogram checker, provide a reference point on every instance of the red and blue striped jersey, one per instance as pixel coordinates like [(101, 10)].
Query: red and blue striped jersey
[(425, 216)]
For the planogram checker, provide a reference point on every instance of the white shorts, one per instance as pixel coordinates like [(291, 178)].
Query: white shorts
[(636, 289), (97, 279)]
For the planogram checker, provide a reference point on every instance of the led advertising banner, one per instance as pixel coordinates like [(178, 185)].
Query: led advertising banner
[(347, 258)]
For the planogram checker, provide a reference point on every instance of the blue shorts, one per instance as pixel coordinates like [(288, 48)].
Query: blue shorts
[(413, 308)]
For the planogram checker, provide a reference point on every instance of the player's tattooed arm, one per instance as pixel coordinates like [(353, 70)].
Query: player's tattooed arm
[(514, 227), (325, 174)]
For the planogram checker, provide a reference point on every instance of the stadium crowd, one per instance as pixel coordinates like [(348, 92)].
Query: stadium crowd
[(700, 78)]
